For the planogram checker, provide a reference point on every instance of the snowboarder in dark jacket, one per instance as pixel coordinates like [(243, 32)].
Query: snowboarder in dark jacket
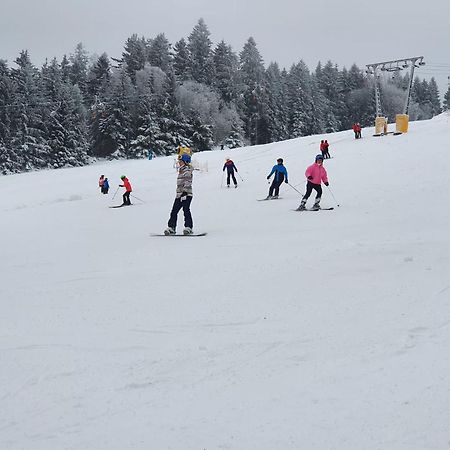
[(229, 165), (280, 175)]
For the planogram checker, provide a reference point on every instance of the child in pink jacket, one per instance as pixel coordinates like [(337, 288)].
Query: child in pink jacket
[(315, 174)]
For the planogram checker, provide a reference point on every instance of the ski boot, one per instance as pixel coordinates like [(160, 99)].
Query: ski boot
[(274, 197), (187, 230), (316, 205), (302, 206), (168, 231)]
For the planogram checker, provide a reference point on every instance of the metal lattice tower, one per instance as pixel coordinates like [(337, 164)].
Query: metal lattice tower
[(394, 66)]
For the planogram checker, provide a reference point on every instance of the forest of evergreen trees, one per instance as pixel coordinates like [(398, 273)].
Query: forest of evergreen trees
[(158, 96)]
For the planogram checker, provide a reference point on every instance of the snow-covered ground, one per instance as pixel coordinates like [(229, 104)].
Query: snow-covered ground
[(278, 330)]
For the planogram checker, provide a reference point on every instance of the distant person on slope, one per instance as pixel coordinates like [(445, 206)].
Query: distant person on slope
[(315, 174), (127, 185), (280, 175), (322, 148), (183, 197), (101, 180), (229, 165), (357, 130), (105, 187), (326, 153)]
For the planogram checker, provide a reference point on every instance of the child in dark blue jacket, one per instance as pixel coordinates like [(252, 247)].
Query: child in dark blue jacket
[(229, 165), (280, 175), (105, 186)]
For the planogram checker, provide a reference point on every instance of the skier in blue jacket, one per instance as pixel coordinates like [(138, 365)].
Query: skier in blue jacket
[(280, 175)]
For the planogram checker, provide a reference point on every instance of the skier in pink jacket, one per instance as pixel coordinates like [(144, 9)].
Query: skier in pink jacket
[(315, 174)]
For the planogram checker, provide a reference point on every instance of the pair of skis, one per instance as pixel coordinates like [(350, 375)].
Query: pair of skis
[(178, 235)]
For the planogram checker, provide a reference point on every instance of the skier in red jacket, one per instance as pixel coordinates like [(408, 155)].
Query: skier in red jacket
[(127, 185)]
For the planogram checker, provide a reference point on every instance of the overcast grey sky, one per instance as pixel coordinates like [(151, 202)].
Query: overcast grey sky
[(346, 31)]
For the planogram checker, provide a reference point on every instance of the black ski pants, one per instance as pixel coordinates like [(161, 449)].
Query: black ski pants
[(275, 187), (177, 205), (231, 174), (126, 198), (309, 188)]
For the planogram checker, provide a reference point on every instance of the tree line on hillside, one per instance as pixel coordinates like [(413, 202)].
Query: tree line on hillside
[(158, 96)]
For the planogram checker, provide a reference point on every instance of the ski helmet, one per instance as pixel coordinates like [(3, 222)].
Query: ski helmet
[(122, 177), (319, 157), (186, 158), (280, 160)]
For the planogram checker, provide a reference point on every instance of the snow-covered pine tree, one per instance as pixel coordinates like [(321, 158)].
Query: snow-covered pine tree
[(113, 133), (28, 124), (173, 125), (328, 80), (199, 45), (78, 69), (447, 100), (6, 101), (300, 100), (319, 104), (150, 90), (201, 133), (65, 118), (235, 136), (277, 112), (99, 75), (134, 55), (351, 80), (181, 61), (434, 99), (251, 72), (159, 53), (225, 69)]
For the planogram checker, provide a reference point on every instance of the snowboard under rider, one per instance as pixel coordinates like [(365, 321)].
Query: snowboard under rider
[(315, 174), (183, 197), (280, 175)]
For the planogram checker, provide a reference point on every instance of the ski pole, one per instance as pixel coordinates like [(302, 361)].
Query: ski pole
[(137, 198), (117, 190), (240, 176), (334, 198), (289, 184), (221, 183)]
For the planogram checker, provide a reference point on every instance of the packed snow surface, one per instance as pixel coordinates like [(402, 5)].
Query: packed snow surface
[(278, 330)]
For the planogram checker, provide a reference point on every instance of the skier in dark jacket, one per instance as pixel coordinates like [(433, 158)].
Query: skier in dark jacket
[(229, 165), (280, 175), (325, 152), (105, 186)]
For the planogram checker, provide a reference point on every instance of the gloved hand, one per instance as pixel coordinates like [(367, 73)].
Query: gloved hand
[(326, 183), (183, 196), (310, 177), (268, 177)]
